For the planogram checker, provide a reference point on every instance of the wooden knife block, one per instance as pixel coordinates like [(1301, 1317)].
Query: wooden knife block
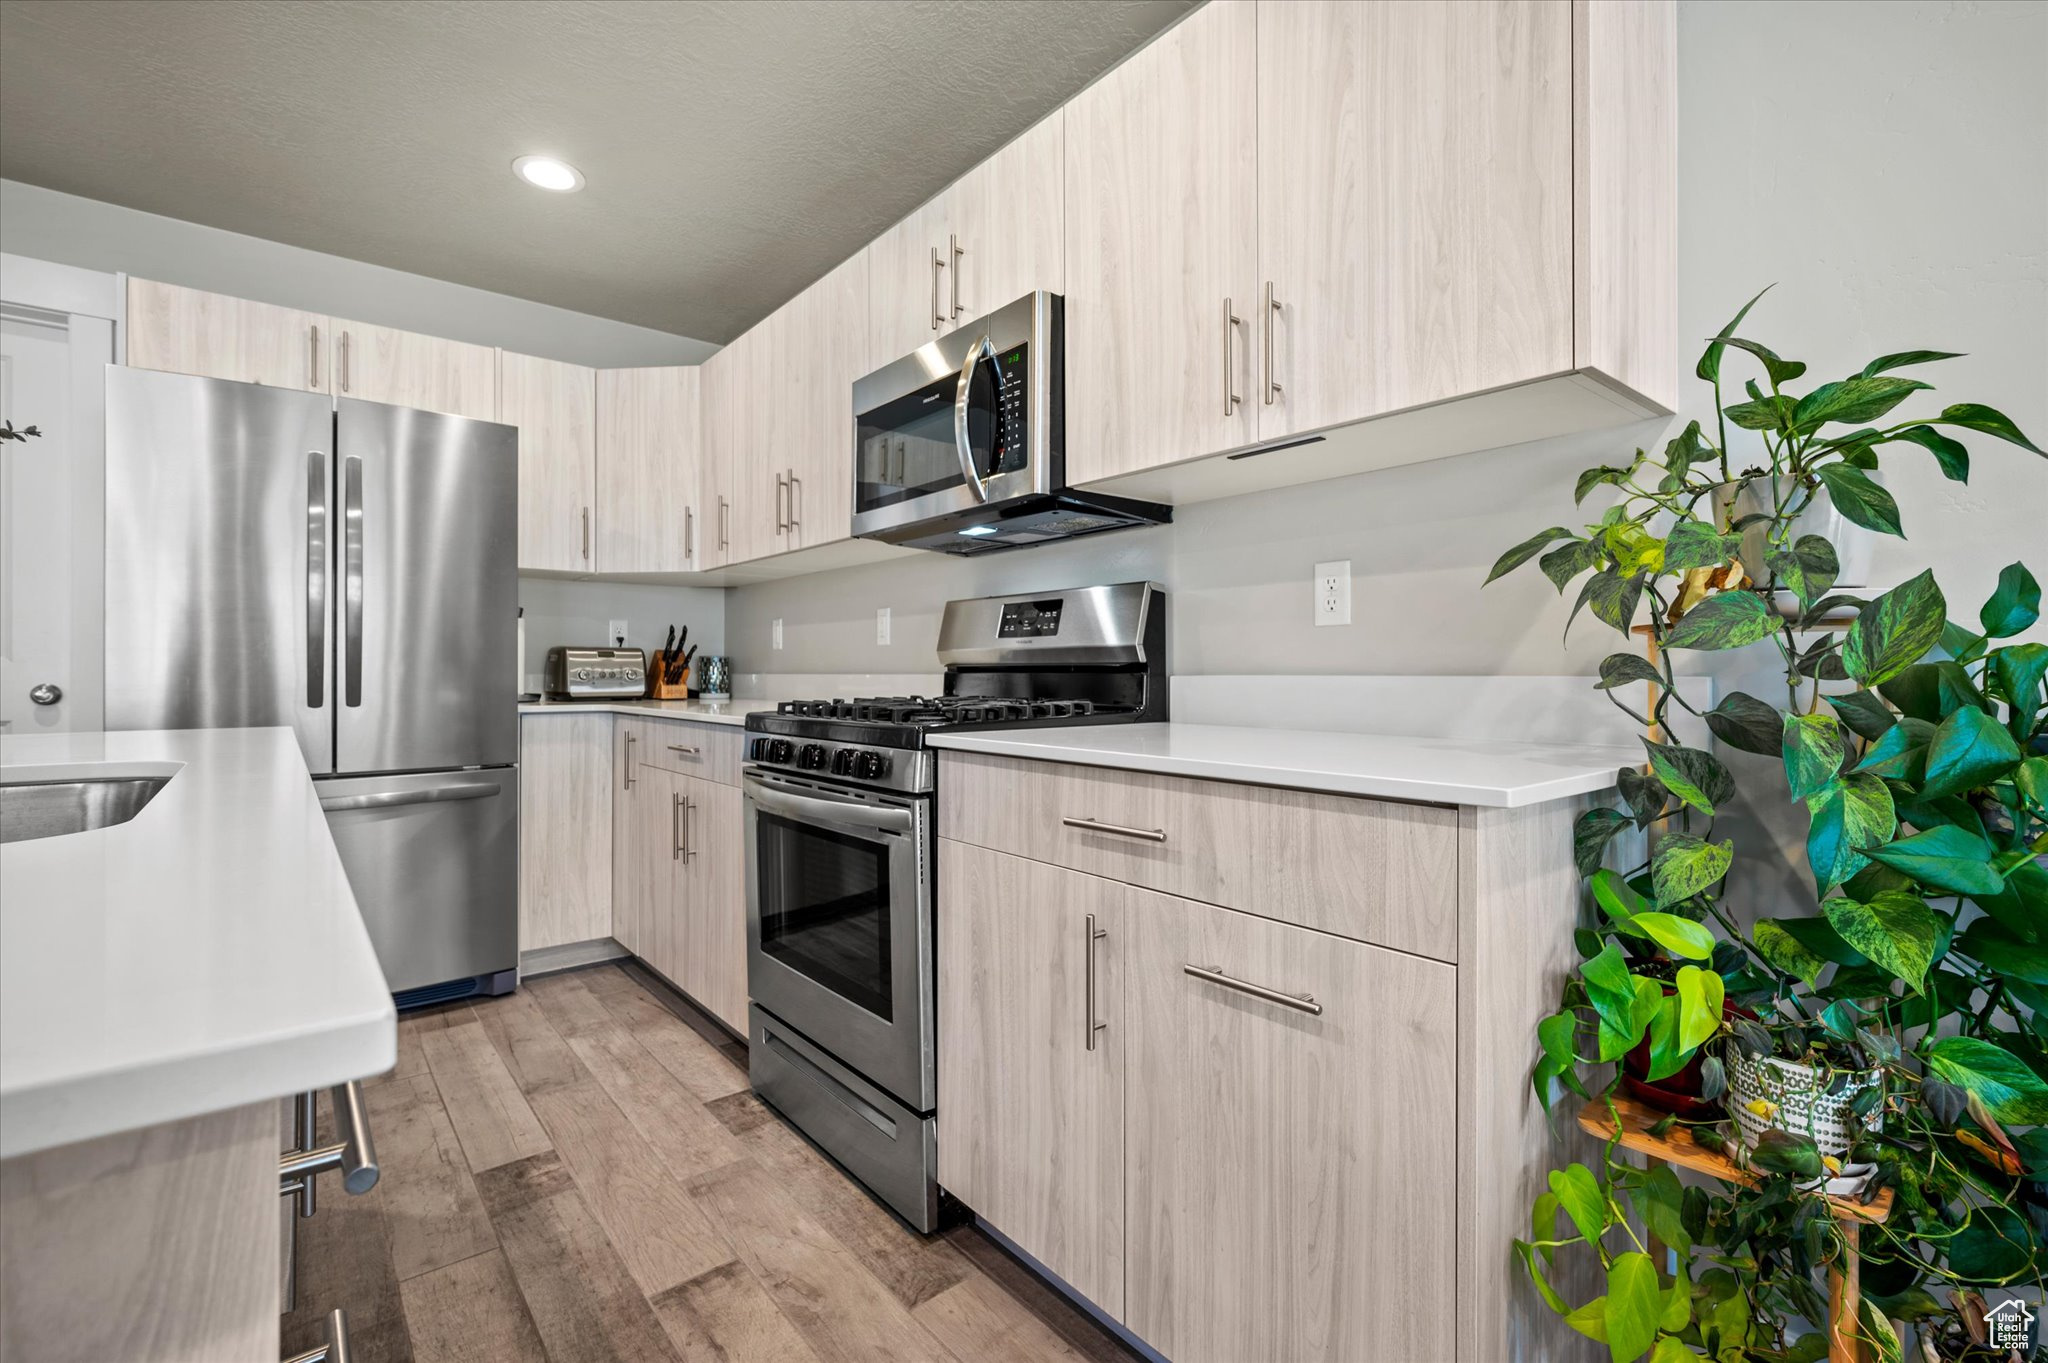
[(657, 689)]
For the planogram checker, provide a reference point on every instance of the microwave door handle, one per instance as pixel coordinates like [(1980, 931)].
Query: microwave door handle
[(980, 350)]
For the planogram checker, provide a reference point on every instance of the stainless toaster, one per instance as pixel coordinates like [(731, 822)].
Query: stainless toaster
[(595, 673)]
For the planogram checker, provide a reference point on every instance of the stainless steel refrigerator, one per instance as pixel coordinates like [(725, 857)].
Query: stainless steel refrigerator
[(348, 569)]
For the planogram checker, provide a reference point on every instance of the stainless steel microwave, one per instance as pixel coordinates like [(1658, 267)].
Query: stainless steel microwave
[(960, 446)]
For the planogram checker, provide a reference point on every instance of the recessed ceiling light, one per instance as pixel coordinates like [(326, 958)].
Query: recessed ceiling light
[(545, 172)]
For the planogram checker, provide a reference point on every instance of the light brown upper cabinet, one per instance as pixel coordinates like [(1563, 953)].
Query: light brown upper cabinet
[(987, 239), (189, 331), (648, 446), (1457, 232), (1162, 250), (823, 348), (554, 405), (407, 369), (742, 419), (715, 379)]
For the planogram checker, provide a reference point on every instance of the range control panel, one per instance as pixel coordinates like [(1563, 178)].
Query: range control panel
[(1030, 619), (895, 769)]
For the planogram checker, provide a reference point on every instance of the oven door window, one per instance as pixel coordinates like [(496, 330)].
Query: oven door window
[(825, 908)]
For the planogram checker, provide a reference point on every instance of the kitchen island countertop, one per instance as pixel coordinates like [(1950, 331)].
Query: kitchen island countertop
[(206, 954)]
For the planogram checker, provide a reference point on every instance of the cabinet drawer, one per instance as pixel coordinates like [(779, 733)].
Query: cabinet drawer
[(1374, 870), (709, 752)]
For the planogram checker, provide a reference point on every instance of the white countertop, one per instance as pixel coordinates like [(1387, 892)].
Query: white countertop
[(1440, 770), (733, 712), (206, 954)]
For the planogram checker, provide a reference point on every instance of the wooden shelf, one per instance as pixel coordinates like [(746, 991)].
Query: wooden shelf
[(1678, 1147)]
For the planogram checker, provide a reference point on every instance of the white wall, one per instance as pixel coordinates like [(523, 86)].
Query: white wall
[(100, 236), (559, 611)]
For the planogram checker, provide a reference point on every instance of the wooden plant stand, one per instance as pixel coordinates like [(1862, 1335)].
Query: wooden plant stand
[(1677, 1147)]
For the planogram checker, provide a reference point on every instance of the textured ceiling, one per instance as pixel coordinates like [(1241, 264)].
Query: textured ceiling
[(735, 150)]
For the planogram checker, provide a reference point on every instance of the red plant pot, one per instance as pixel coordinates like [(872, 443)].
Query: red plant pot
[(1677, 1093)]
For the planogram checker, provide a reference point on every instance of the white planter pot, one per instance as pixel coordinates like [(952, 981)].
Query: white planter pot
[(1854, 546), (1797, 1098)]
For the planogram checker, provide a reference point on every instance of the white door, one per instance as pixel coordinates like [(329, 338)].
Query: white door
[(52, 503)]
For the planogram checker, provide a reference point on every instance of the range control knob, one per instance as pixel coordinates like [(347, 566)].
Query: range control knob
[(780, 750), (842, 761), (870, 766), (757, 751), (812, 758)]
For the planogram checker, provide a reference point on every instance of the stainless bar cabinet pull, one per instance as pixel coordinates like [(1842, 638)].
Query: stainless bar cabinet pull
[(1231, 321), (631, 739), (344, 362), (313, 357), (1121, 830), (781, 488), (352, 580), (957, 251), (1095, 935), (796, 487), (1301, 1003), (386, 799), (689, 536), (938, 318), (586, 533), (335, 1349), (724, 522), (1272, 325), (684, 750), (355, 1155), (675, 827), (305, 1130), (316, 579), (689, 852)]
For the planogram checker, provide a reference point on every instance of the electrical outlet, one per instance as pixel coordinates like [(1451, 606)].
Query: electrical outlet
[(1333, 593), (775, 633), (616, 632), (882, 624)]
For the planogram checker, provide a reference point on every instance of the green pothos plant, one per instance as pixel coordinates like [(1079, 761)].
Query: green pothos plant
[(1916, 739)]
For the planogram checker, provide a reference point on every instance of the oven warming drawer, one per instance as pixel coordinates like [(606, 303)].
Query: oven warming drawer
[(887, 1146)]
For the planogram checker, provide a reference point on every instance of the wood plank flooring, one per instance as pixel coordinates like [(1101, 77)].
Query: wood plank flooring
[(578, 1172)]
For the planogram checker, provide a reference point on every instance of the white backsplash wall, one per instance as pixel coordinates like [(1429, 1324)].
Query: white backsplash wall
[(576, 613)]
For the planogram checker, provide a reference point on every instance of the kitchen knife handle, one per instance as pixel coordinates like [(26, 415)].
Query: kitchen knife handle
[(352, 581), (316, 579)]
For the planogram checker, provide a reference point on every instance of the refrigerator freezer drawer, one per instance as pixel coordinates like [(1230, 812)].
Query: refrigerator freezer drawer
[(433, 858)]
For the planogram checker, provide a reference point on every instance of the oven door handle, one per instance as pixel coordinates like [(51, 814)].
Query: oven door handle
[(809, 807)]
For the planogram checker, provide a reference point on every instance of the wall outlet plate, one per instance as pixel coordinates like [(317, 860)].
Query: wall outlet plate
[(616, 633), (881, 624), (1333, 593), (775, 632)]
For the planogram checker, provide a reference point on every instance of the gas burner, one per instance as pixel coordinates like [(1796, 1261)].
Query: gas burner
[(928, 711)]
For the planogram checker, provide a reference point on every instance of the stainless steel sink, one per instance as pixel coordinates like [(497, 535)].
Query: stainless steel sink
[(45, 809)]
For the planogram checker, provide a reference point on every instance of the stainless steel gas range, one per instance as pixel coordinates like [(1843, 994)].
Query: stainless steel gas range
[(841, 856)]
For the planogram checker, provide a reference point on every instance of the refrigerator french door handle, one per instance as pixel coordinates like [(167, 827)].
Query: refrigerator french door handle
[(316, 579), (387, 799), (352, 581)]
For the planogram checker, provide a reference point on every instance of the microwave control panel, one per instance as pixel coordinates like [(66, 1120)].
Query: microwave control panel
[(1012, 437)]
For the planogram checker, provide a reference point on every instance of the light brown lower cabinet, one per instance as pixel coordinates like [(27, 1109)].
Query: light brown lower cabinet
[(1286, 1191), (1032, 1117), (678, 894), (1236, 1165)]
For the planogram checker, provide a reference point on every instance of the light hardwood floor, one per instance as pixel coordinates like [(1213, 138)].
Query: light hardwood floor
[(578, 1172)]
